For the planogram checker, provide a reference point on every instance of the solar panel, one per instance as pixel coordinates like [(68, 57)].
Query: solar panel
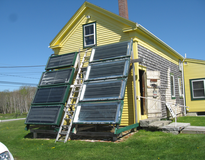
[(60, 61), (99, 113), (111, 51), (103, 90), (57, 77), (112, 69), (51, 95), (50, 115)]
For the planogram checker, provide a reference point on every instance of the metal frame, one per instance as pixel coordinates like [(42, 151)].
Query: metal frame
[(102, 64), (69, 81), (119, 97), (129, 48), (64, 98), (58, 120), (117, 116), (61, 66)]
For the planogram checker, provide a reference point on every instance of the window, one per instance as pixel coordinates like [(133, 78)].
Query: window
[(197, 89), (180, 88), (89, 35), (172, 86)]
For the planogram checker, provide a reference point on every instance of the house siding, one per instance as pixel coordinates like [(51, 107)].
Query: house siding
[(154, 62), (193, 70), (108, 31)]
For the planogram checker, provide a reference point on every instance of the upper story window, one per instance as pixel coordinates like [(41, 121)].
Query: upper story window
[(89, 35), (197, 89), (172, 83)]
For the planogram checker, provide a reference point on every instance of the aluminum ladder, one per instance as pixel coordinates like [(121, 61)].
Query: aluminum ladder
[(73, 99)]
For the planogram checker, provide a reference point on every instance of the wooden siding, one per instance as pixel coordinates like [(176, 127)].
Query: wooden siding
[(108, 31), (193, 70)]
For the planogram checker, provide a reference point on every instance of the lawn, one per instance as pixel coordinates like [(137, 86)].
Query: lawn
[(12, 116), (141, 145)]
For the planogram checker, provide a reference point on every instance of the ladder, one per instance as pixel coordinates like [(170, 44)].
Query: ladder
[(64, 130)]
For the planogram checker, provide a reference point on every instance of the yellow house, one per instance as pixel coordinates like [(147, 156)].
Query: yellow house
[(158, 76), (194, 77)]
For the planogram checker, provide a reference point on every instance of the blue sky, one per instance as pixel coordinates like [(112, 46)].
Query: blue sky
[(28, 26)]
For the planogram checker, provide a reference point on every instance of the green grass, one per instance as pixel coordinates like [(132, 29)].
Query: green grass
[(194, 121), (12, 116), (141, 145)]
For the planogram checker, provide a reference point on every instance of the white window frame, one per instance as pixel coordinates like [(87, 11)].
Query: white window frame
[(192, 89), (93, 34), (181, 95), (172, 93)]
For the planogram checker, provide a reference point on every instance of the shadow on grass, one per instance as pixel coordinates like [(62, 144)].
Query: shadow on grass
[(40, 136)]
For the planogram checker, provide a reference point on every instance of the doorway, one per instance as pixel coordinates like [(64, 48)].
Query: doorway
[(143, 90)]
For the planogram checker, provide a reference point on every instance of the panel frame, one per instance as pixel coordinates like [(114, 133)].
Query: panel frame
[(128, 54), (68, 82), (118, 115), (60, 114), (62, 66), (125, 73), (50, 103), (120, 97)]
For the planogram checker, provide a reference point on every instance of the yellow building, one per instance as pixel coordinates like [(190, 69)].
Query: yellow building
[(194, 77), (156, 76)]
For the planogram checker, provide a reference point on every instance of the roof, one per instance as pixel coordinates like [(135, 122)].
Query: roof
[(195, 61), (57, 42)]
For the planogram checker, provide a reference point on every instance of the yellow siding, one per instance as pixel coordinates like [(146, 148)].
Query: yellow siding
[(128, 109), (111, 31), (193, 70)]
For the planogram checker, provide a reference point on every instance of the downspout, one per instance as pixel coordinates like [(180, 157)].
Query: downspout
[(134, 83), (183, 85)]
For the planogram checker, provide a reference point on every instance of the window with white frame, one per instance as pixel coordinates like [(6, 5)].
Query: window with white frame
[(197, 89), (180, 88), (172, 83), (89, 35)]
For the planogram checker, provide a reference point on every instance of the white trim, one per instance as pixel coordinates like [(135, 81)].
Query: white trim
[(180, 87), (93, 34), (172, 94), (203, 80)]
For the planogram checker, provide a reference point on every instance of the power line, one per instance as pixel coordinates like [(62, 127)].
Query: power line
[(22, 66), (18, 76), (18, 83)]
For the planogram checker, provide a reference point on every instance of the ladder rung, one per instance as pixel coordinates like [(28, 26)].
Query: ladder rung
[(59, 140), (70, 105), (85, 62), (76, 85), (79, 79), (70, 111), (67, 118), (74, 97), (76, 91), (63, 132)]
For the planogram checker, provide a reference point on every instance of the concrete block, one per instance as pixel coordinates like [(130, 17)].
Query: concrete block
[(157, 124), (175, 127), (191, 114), (146, 122), (193, 130)]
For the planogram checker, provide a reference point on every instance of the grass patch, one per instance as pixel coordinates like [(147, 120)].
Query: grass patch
[(141, 145), (12, 116), (193, 120)]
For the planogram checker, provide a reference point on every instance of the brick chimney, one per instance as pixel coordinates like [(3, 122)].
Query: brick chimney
[(123, 10)]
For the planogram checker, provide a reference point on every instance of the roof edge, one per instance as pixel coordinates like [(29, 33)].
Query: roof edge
[(140, 27), (195, 60)]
